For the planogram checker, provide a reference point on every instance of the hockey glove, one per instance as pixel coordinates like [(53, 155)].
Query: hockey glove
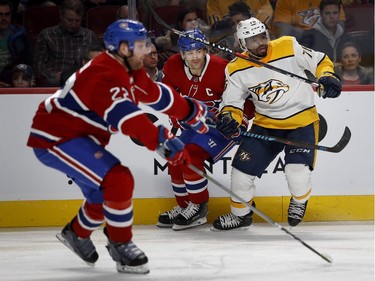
[(330, 85), (171, 148), (200, 117), (227, 125)]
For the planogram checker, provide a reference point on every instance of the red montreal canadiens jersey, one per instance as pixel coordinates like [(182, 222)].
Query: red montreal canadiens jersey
[(100, 99), (208, 87)]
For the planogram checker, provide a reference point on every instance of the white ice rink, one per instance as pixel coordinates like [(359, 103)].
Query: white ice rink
[(263, 253)]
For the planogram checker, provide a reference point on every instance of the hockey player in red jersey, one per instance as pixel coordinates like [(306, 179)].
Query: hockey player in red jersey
[(197, 74), (72, 127)]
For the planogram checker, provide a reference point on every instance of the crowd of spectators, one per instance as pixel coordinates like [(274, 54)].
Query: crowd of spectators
[(60, 50)]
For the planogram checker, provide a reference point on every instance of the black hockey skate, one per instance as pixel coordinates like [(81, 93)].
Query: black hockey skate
[(84, 248), (231, 221), (128, 257), (167, 219), (193, 215), (296, 212)]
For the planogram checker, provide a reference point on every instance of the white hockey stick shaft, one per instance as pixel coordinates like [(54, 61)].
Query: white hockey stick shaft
[(326, 257)]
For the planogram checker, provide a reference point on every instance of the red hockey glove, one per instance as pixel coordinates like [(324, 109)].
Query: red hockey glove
[(171, 148), (200, 117)]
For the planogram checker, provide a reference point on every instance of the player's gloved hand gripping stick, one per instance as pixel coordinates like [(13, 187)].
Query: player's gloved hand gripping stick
[(171, 148)]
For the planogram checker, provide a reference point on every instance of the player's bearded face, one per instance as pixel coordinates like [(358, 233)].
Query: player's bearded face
[(258, 44), (195, 59)]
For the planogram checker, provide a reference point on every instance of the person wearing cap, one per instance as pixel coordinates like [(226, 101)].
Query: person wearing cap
[(22, 76)]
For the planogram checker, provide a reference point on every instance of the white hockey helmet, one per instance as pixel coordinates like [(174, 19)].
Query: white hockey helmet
[(249, 28)]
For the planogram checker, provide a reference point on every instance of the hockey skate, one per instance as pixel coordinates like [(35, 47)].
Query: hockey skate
[(193, 215), (167, 219), (231, 221), (296, 212), (84, 248), (128, 257)]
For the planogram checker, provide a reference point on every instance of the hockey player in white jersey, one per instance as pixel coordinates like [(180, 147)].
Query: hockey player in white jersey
[(284, 107)]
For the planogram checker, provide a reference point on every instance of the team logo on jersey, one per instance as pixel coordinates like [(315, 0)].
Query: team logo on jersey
[(243, 155), (270, 91), (309, 17)]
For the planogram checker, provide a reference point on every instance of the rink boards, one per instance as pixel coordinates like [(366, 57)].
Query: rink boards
[(343, 183)]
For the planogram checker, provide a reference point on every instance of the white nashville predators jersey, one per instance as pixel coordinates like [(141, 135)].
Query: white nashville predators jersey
[(281, 102)]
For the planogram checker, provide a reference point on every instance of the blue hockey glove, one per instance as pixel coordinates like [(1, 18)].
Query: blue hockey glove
[(227, 125), (171, 148), (200, 117), (330, 85)]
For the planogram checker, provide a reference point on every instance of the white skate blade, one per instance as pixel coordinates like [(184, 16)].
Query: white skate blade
[(140, 269), (164, 225), (62, 240), (199, 222), (242, 228)]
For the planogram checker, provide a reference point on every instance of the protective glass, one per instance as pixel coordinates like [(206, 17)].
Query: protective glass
[(142, 47)]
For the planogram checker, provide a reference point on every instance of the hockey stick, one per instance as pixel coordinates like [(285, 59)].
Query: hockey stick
[(326, 257), (341, 144), (227, 50)]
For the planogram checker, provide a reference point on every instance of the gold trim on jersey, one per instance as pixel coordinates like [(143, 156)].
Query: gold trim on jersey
[(301, 119), (237, 114)]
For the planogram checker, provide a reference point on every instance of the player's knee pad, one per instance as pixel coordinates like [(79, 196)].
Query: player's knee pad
[(242, 184), (118, 184), (298, 177)]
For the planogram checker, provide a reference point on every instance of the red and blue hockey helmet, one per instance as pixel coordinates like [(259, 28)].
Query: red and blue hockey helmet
[(188, 44), (124, 30)]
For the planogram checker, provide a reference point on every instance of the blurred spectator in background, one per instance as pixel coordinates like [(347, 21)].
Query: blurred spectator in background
[(91, 53), (61, 47), (187, 20), (23, 76), (291, 17), (217, 10), (327, 34), (150, 62), (349, 70), (122, 12), (15, 46), (223, 32)]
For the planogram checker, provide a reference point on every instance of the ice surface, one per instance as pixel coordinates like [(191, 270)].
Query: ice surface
[(262, 253)]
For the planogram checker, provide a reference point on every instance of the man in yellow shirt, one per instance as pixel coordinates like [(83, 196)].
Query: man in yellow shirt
[(218, 9), (291, 17)]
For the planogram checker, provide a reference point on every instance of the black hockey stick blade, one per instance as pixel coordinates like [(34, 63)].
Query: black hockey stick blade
[(227, 50), (326, 257), (341, 144)]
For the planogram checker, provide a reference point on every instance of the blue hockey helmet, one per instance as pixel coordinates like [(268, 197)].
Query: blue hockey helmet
[(124, 30), (188, 44)]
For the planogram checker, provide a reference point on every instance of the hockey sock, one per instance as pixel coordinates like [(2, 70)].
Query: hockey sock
[(89, 218)]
